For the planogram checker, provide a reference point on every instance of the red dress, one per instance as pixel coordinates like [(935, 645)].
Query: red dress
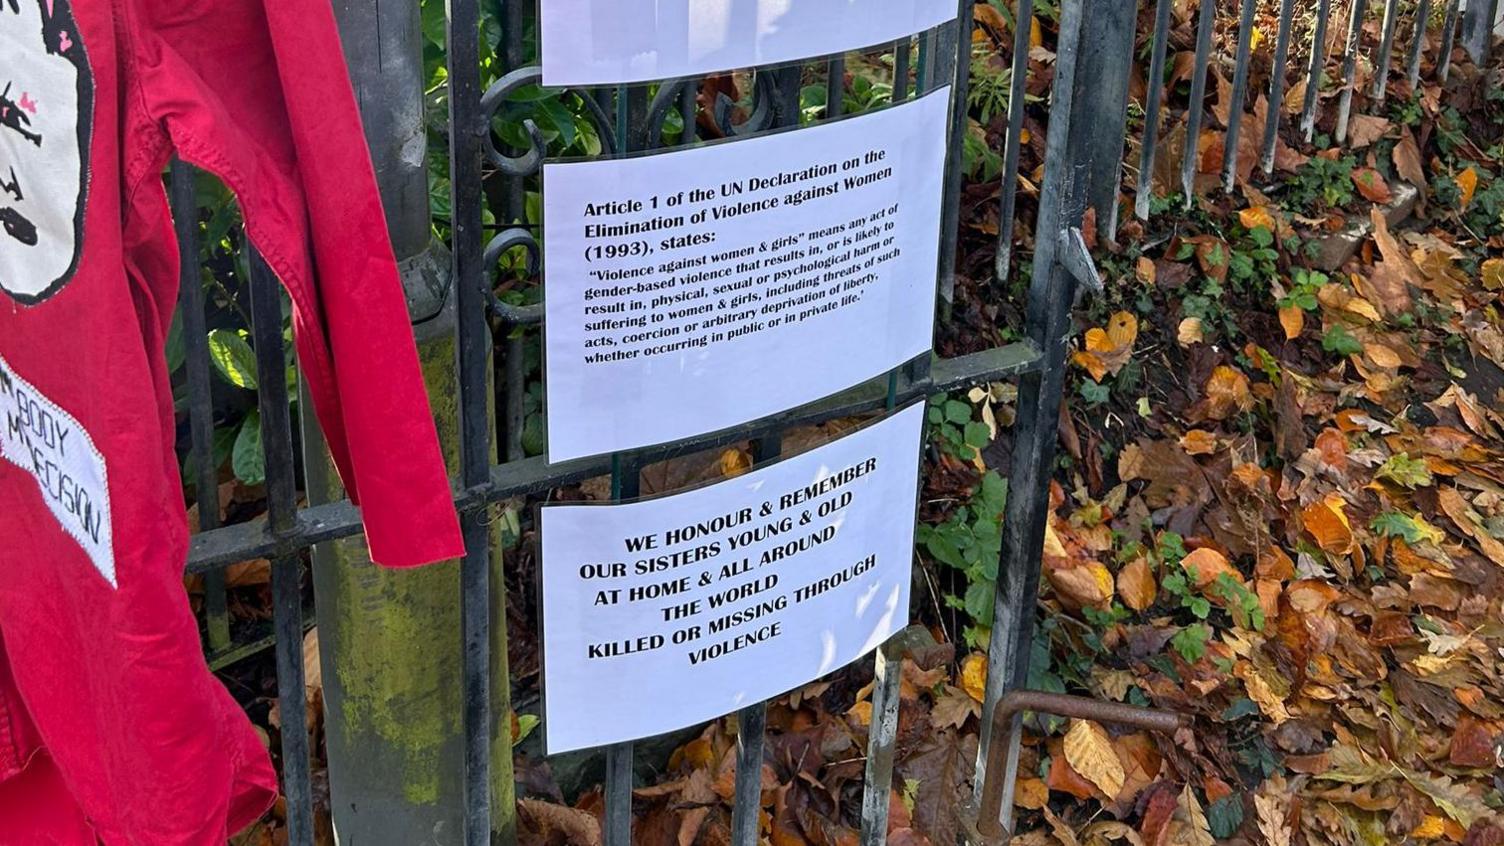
[(110, 720)]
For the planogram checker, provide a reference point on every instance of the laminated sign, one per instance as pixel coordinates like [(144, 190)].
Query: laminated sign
[(596, 42), (698, 289), (668, 612)]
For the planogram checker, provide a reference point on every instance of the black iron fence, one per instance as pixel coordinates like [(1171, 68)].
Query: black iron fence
[(1084, 151)]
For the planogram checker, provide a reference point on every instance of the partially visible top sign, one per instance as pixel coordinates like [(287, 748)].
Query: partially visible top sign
[(602, 42), (664, 613)]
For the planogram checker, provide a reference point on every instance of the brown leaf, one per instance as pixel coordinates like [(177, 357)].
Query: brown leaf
[(1326, 522), (1198, 442), (1227, 391), (1136, 584), (1204, 565), (1467, 183), (1407, 161), (1363, 130), (1472, 745)]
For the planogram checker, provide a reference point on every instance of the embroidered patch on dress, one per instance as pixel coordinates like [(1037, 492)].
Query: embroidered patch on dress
[(46, 117), (46, 442)]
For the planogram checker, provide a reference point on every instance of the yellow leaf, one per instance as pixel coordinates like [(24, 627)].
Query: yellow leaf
[(1122, 330), (1430, 828), (1088, 583), (1256, 217), (1036, 34), (1031, 793), (1089, 751), (1256, 39), (974, 676), (1294, 321), (1467, 181), (1382, 356), (1189, 332), (1261, 693), (1136, 584), (734, 462), (1493, 274)]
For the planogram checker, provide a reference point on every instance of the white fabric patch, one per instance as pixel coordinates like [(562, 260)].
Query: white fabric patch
[(45, 441)]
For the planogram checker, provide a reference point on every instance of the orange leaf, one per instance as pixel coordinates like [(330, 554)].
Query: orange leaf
[(1256, 217), (1136, 585), (1204, 565), (1371, 185), (1467, 182), (974, 675), (1326, 521), (1293, 319), (1227, 390), (1199, 442)]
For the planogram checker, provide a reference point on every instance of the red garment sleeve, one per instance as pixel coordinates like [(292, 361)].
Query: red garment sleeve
[(256, 92)]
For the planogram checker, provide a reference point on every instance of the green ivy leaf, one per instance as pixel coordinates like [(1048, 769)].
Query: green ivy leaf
[(1338, 340), (1225, 816), (1396, 525)]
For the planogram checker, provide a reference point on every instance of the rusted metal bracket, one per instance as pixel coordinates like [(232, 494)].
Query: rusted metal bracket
[(980, 824)]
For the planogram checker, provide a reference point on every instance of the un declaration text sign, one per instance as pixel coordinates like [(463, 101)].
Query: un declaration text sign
[(695, 290), (604, 42), (661, 614)]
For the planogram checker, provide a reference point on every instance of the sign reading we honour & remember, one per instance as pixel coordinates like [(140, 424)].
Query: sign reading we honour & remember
[(664, 613), (605, 42)]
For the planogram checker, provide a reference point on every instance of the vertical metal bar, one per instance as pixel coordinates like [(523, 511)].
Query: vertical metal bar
[(281, 515), (901, 52), (687, 109), (950, 209), (466, 132), (1023, 23), (1197, 105), (752, 721), (514, 417), (1153, 102), (835, 87), (1350, 67), (1448, 42), (200, 394), (1061, 204), (1412, 65), (1386, 51), (1317, 67), (1239, 93), (1478, 29), (878, 780), (626, 483), (1277, 86)]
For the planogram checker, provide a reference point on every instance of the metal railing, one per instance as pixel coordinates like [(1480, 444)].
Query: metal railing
[(491, 336)]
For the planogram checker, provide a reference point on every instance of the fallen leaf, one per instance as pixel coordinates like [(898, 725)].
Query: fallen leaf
[(1136, 584), (1031, 793), (1199, 442), (974, 676), (1371, 185), (734, 462), (1326, 522), (1406, 158), (1190, 332), (1293, 320), (1089, 751), (1204, 565), (1227, 391), (1363, 130), (1467, 183), (1256, 217), (1493, 274)]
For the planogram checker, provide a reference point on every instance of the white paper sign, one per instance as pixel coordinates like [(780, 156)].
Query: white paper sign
[(692, 291), (665, 613), (603, 42)]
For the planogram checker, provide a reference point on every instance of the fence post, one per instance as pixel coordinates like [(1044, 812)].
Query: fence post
[(1076, 153), (389, 641), (1478, 28)]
